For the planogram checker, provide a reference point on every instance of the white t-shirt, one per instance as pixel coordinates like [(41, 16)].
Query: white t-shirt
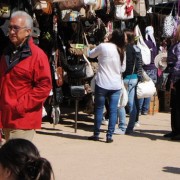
[(109, 71)]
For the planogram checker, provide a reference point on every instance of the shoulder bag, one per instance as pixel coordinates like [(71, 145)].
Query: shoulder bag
[(145, 51), (145, 88)]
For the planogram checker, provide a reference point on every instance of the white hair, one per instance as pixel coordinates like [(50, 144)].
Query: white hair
[(28, 18)]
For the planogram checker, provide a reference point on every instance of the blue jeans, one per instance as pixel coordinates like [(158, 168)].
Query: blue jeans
[(100, 96), (144, 104), (132, 106)]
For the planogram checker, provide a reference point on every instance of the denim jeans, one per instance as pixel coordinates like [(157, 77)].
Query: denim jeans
[(100, 96), (132, 106), (144, 104)]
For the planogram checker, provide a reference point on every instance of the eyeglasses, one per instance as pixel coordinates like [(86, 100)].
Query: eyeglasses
[(15, 28)]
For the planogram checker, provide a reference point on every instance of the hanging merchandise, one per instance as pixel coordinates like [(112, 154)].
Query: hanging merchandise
[(70, 4), (45, 6), (100, 4), (5, 10), (139, 7), (89, 70), (169, 25), (117, 2), (124, 11), (145, 51), (70, 15), (90, 2)]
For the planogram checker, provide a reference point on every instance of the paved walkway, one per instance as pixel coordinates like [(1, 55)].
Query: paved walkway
[(145, 156)]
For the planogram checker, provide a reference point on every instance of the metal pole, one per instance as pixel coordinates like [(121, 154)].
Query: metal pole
[(76, 114)]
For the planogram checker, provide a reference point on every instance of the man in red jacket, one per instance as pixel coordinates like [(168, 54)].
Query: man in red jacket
[(25, 80)]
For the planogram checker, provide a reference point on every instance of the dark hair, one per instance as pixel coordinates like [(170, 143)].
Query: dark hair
[(130, 36), (118, 39), (22, 158)]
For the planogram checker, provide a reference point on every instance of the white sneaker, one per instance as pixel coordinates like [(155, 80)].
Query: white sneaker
[(105, 122), (137, 124), (119, 131)]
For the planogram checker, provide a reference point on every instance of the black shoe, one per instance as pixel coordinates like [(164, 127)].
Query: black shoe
[(93, 138), (109, 140), (175, 137), (169, 135)]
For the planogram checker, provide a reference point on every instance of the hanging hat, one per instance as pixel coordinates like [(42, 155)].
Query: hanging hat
[(160, 61), (150, 33)]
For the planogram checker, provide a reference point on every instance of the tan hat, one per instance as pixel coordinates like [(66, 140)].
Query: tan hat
[(160, 61)]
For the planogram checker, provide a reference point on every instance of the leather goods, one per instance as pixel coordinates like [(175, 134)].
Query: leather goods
[(76, 71), (59, 80), (77, 91), (5, 10), (44, 5), (70, 4)]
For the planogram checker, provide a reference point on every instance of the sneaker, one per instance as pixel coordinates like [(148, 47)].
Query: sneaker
[(144, 113), (105, 122), (137, 124), (119, 131)]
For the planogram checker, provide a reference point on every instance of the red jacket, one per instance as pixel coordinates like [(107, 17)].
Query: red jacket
[(24, 86)]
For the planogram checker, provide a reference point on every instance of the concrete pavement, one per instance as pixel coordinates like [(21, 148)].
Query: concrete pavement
[(146, 155)]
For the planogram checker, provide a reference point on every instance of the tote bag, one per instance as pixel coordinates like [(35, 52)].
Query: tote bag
[(145, 51), (145, 89)]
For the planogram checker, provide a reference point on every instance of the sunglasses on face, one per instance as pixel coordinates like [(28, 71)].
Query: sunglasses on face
[(15, 28)]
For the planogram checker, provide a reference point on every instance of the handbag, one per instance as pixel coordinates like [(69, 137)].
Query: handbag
[(123, 99), (70, 15), (76, 71), (89, 70), (69, 4), (145, 51), (44, 5), (145, 89), (77, 91), (59, 79), (5, 10), (168, 25), (124, 11), (139, 7)]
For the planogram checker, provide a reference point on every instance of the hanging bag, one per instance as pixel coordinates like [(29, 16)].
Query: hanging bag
[(145, 51), (169, 25), (124, 11), (5, 10), (70, 4), (139, 7), (89, 70)]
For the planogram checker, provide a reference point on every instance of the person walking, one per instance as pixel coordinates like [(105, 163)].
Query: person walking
[(131, 76), (25, 80), (112, 62), (173, 59)]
